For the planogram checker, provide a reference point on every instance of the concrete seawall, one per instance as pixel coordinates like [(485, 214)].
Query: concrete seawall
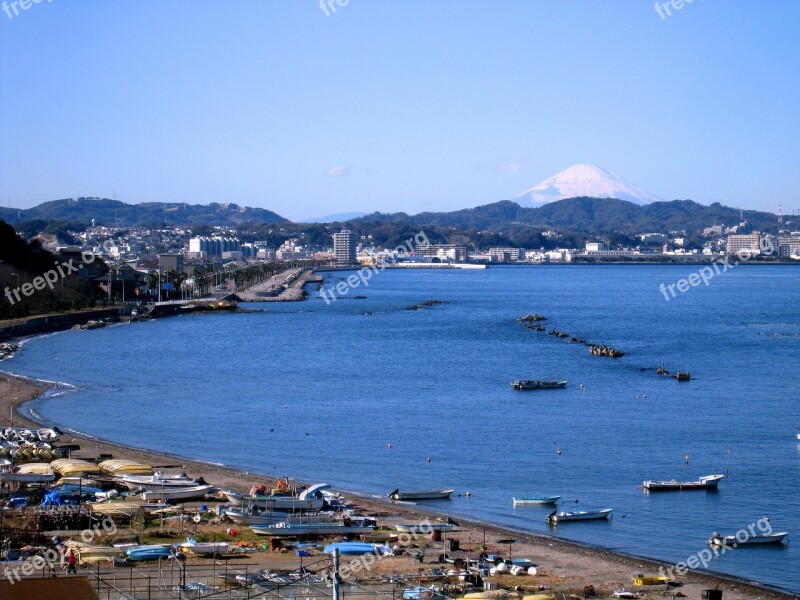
[(60, 322)]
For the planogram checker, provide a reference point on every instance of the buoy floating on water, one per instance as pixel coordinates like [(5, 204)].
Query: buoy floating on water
[(388, 446), (428, 459)]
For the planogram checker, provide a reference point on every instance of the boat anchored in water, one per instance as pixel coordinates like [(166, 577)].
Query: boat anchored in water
[(535, 500), (538, 384), (734, 541), (421, 495), (709, 482), (580, 515)]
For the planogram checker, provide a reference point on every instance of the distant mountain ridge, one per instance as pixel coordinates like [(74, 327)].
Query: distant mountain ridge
[(581, 214), (588, 214), (113, 212)]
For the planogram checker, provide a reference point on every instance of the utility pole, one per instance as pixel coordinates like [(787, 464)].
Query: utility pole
[(336, 591)]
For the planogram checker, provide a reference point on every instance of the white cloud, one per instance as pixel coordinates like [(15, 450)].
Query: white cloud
[(338, 171)]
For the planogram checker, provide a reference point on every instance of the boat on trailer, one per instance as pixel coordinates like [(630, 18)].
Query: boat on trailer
[(535, 500), (709, 482), (580, 515)]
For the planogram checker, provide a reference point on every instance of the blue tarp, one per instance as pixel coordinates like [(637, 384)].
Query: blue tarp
[(52, 498)]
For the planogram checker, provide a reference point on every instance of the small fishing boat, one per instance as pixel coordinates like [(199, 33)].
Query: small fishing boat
[(732, 541), (537, 384), (580, 515), (422, 495), (312, 498), (302, 529), (191, 546), (177, 493), (423, 528), (17, 477), (90, 554), (157, 481), (152, 552), (357, 548), (709, 482), (246, 517), (535, 500), (683, 376)]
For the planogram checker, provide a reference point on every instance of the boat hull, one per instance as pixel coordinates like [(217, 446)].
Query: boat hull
[(527, 384), (309, 529), (709, 482), (423, 495), (581, 516), (272, 503), (170, 495), (352, 548), (26, 478), (754, 540), (536, 501), (423, 528)]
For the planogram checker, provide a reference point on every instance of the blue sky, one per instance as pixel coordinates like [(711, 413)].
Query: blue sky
[(389, 105)]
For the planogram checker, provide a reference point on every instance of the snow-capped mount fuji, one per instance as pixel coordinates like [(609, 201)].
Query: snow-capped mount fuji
[(592, 181)]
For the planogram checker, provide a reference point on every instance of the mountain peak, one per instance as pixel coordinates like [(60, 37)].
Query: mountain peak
[(585, 180)]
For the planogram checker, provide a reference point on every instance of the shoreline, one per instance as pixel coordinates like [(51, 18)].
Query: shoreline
[(569, 565)]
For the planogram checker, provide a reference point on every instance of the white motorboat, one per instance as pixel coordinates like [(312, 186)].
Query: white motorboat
[(310, 499), (16, 477), (580, 515), (732, 541), (177, 493), (421, 495), (157, 481), (191, 546), (535, 500)]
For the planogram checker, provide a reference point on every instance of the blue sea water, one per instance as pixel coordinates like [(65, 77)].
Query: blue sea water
[(318, 392)]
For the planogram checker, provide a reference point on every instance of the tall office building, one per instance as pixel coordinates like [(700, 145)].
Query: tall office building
[(344, 247)]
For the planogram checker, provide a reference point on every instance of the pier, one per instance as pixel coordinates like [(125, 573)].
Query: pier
[(286, 286)]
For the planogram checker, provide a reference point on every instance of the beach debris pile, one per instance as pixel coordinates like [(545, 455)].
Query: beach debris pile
[(8, 350), (90, 325)]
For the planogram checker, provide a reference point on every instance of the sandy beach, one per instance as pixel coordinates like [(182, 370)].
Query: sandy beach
[(563, 566)]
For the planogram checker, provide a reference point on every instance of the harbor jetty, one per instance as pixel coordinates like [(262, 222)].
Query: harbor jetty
[(286, 286)]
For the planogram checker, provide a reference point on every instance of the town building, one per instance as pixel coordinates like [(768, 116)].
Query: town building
[(789, 245), (448, 252), (747, 242), (344, 247)]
